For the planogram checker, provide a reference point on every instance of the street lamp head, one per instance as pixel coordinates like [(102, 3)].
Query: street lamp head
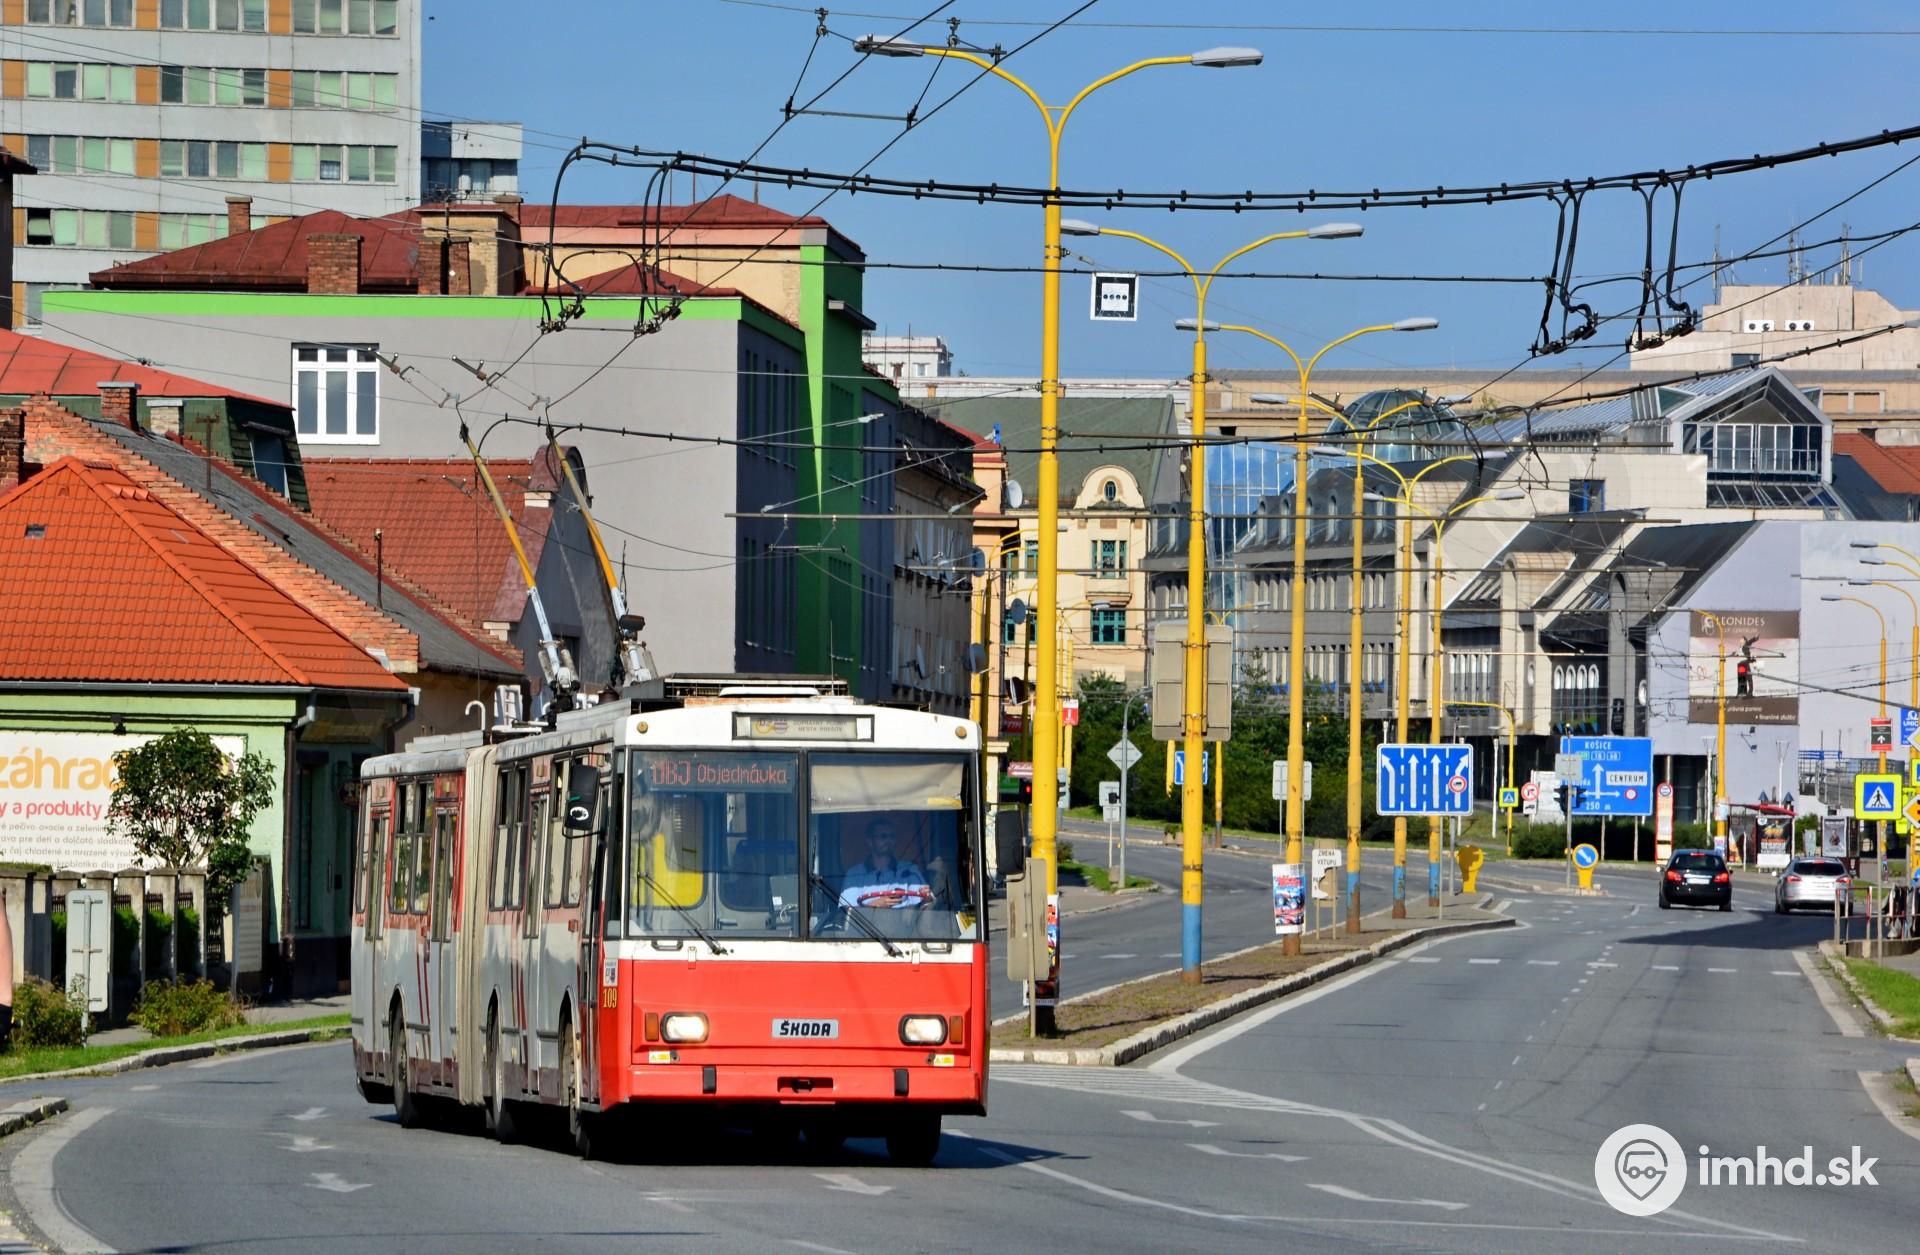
[(1464, 398), (1858, 582), (1335, 231), (1863, 544), (1510, 494), (1195, 324), (875, 45), (1227, 58), (1272, 398), (1831, 597), (1873, 562), (1416, 324), (1075, 226)]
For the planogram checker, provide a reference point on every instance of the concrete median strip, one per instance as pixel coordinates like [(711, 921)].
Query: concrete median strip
[(1169, 1031)]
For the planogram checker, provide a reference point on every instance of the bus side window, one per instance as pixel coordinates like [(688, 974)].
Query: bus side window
[(532, 869), (372, 865), (507, 828), (422, 850), (400, 882), (559, 850), (521, 835), (443, 852)]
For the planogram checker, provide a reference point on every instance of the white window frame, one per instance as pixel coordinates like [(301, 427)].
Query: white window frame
[(358, 360)]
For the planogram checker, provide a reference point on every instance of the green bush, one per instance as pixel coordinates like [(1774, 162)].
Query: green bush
[(43, 1016), (1540, 841), (126, 939), (58, 922), (187, 959), (175, 1008), (159, 926), (1063, 850)]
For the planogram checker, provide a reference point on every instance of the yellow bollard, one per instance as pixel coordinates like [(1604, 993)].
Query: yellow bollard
[(1585, 859), (1470, 857)]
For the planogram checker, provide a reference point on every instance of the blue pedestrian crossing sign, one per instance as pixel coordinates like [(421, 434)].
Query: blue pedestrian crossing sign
[(1180, 767), (1585, 855), (1876, 795), (1423, 780), (1509, 799)]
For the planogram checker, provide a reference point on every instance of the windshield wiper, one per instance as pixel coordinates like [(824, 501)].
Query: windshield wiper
[(684, 914), (853, 913)]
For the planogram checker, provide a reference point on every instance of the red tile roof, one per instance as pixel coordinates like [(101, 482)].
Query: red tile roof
[(276, 256), (30, 365), (725, 210), (1896, 468), (436, 525), (633, 281), (105, 583)]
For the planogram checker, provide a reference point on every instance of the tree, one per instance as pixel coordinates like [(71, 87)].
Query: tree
[(183, 803)]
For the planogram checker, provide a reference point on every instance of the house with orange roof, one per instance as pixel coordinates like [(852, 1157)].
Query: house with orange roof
[(439, 662), (120, 618), (703, 360)]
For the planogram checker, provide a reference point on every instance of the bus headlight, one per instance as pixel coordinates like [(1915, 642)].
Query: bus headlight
[(923, 1030), (683, 1027)]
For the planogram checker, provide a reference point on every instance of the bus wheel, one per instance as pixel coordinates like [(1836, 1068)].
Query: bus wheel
[(583, 1127), (498, 1109), (406, 1106), (914, 1141)]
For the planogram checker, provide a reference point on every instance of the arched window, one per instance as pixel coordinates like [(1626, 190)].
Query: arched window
[(1110, 491)]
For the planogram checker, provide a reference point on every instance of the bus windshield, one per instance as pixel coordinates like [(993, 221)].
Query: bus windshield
[(890, 847), (713, 844)]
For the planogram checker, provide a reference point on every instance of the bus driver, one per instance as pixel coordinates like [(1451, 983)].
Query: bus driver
[(880, 881)]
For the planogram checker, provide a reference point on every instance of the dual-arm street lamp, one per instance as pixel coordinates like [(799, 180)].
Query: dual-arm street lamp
[(1192, 794), (1047, 708)]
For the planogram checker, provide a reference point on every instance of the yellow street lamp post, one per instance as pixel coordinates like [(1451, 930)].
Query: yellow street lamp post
[(1912, 568), (1877, 614), (1440, 522), (1356, 659), (1046, 722), (1720, 732), (1192, 795), (1297, 639)]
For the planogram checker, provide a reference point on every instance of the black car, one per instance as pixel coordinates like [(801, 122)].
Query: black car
[(1696, 878)]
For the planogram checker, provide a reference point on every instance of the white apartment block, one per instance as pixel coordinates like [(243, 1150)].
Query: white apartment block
[(145, 116)]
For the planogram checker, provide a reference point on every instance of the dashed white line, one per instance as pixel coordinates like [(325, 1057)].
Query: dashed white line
[(1543, 963), (1419, 959), (1724, 970), (1483, 961), (1665, 967), (1603, 965)]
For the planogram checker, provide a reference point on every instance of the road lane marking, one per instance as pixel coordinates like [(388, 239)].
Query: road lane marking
[(1208, 1148), (1515, 1063), (305, 1145), (1483, 961), (1783, 972), (1841, 1015), (1603, 965), (815, 1246), (1725, 971), (1123, 1196), (1147, 1117), (331, 1182), (1341, 1191), (311, 1113), (1665, 967), (1422, 960), (1543, 963), (33, 1183), (850, 1184)]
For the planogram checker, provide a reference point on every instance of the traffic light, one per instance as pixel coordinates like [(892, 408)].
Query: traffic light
[(1743, 678)]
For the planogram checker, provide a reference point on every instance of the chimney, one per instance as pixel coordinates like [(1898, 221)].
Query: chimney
[(460, 267), (333, 265), (163, 416), (432, 266), (117, 403), (509, 203), (239, 214), (13, 446)]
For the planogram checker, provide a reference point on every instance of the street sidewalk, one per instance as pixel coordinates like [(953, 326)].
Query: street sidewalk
[(263, 1016)]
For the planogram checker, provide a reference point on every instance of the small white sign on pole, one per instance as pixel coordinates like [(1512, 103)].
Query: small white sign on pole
[(1324, 861), (1115, 297), (89, 944)]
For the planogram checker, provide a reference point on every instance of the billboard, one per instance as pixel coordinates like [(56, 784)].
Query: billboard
[(1775, 640), (54, 792)]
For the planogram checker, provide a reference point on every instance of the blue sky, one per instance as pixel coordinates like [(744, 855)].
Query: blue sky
[(1369, 108)]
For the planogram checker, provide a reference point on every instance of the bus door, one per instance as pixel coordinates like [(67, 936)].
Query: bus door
[(572, 890), (441, 968), (534, 978)]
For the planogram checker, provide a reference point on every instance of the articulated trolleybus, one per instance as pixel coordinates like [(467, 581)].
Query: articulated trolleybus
[(754, 895)]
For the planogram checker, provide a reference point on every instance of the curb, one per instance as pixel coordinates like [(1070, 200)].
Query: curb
[(1145, 1042), (161, 1056), (1833, 954), (23, 1115)]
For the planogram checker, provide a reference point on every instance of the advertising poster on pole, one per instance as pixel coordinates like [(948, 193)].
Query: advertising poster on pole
[(1663, 821), (1289, 900)]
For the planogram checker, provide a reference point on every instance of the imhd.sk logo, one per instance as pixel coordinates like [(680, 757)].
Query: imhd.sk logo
[(1640, 1170)]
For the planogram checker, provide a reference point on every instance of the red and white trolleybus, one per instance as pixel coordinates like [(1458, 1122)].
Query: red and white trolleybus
[(753, 895)]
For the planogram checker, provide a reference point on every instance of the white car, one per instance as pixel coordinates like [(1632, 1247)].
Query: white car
[(1820, 882)]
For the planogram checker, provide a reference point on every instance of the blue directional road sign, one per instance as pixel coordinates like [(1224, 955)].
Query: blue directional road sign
[(1619, 774), (1423, 780), (1180, 767), (1585, 856), (1910, 727)]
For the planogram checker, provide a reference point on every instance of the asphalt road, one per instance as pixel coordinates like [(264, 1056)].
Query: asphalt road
[(1448, 1098)]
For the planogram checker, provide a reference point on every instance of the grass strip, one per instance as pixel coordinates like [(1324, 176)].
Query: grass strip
[(1095, 876), (1893, 991), (24, 1061), (1129, 1009)]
